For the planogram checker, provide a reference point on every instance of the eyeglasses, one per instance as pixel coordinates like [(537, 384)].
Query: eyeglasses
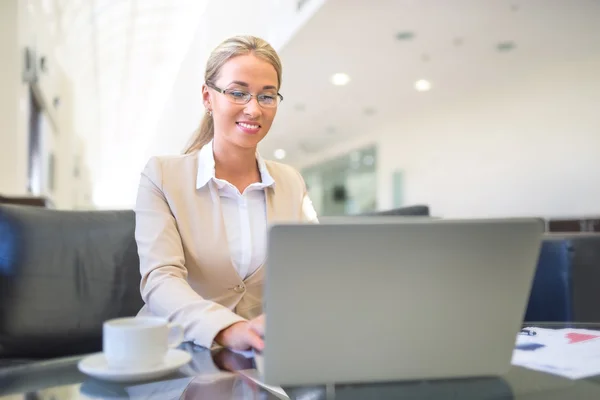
[(238, 96)]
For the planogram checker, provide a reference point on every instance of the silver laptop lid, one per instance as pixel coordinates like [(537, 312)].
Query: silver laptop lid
[(384, 300)]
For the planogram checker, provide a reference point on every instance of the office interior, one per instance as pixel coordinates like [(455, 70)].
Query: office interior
[(474, 109), (458, 109)]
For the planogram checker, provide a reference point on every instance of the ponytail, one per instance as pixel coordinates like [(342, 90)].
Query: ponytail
[(203, 135)]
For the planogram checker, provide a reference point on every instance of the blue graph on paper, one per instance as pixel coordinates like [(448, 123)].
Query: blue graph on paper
[(529, 346)]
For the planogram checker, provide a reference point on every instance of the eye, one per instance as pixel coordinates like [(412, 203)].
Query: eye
[(237, 94), (266, 98)]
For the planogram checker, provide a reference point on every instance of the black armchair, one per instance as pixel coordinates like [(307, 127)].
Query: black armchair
[(416, 210), (62, 274)]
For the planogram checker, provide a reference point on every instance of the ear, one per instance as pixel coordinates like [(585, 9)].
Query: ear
[(206, 97)]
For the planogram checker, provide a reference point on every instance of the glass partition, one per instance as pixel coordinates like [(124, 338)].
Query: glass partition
[(345, 185)]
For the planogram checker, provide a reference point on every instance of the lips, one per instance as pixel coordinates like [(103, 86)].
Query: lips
[(248, 127)]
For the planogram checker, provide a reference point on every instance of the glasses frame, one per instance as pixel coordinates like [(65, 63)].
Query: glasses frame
[(223, 91)]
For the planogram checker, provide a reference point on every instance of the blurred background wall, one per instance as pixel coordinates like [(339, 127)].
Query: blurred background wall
[(41, 153)]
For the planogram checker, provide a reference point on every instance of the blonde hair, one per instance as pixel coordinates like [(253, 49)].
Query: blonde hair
[(230, 48)]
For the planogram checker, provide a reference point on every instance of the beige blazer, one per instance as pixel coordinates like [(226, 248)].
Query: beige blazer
[(186, 271)]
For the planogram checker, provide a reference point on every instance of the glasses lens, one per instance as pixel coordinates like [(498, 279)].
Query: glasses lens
[(268, 100), (238, 96)]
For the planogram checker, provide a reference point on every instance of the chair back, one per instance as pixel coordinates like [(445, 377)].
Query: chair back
[(62, 274)]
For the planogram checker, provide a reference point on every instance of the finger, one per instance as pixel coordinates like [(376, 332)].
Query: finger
[(255, 341), (258, 326)]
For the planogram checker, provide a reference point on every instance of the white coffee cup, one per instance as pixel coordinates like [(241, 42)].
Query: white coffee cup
[(138, 342)]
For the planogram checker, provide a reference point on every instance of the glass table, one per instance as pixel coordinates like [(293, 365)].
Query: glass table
[(222, 374)]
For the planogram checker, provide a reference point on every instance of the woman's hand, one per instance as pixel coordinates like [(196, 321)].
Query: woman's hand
[(243, 335), (258, 325)]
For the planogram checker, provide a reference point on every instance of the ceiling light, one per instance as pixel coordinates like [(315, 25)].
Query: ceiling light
[(458, 41), (405, 35), (422, 85), (506, 46), (279, 154), (340, 79), (370, 111)]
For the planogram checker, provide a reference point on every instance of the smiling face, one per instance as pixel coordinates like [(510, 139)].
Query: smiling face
[(242, 125)]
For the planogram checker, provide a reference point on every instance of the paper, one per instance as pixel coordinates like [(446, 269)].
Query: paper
[(571, 353)]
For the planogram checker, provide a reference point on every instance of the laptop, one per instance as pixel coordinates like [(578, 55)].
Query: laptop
[(388, 299)]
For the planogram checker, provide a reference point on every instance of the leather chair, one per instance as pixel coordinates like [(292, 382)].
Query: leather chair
[(550, 298), (416, 210), (27, 201), (585, 275), (62, 274), (565, 287)]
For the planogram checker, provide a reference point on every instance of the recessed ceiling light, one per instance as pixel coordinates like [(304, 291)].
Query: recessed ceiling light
[(370, 111), (458, 41), (279, 154), (506, 46), (405, 35), (340, 79), (422, 85)]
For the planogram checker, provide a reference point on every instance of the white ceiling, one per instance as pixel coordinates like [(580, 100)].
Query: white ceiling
[(454, 46), (123, 57)]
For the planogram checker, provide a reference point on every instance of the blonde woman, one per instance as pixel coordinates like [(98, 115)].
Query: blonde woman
[(201, 217)]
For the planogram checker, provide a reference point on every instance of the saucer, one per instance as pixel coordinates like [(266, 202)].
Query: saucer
[(97, 367)]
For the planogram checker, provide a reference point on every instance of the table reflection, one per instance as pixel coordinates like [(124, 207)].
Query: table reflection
[(225, 374), (210, 374)]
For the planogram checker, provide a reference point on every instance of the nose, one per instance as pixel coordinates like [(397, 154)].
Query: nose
[(252, 108)]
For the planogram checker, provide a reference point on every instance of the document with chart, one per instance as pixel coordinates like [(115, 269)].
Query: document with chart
[(572, 353)]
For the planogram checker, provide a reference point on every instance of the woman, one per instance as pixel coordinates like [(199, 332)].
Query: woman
[(201, 217)]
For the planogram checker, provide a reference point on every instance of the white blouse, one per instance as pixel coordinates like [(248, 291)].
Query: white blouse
[(244, 214)]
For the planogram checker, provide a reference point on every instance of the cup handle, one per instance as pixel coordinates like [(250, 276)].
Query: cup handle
[(179, 332)]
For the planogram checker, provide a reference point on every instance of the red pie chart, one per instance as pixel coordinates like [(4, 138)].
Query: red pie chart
[(579, 337)]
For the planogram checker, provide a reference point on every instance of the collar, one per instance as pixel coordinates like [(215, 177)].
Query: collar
[(206, 168)]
